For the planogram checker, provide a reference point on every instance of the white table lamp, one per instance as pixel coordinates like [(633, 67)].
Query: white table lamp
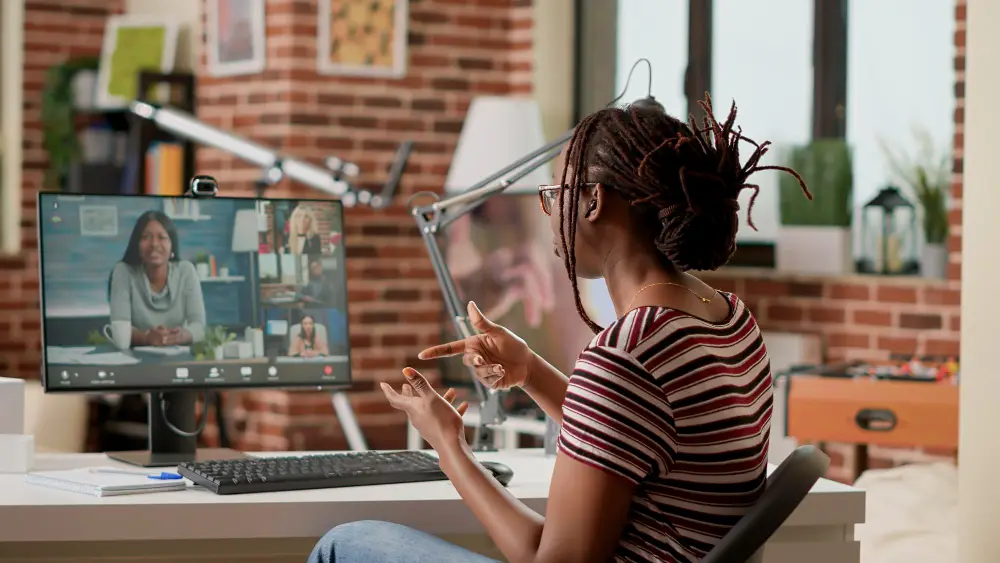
[(246, 239), (245, 230), (497, 131)]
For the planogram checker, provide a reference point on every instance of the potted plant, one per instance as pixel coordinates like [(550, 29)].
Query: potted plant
[(815, 236), (926, 175), (213, 346), (59, 105), (201, 265)]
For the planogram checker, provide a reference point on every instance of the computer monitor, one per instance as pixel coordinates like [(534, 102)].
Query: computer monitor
[(175, 296)]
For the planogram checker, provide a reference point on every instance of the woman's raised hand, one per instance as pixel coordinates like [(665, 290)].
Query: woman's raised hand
[(499, 358)]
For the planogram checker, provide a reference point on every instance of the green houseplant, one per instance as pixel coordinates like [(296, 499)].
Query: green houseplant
[(926, 175), (826, 167), (59, 118), (211, 347), (815, 235)]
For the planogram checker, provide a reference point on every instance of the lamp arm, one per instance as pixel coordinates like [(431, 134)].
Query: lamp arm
[(335, 179)]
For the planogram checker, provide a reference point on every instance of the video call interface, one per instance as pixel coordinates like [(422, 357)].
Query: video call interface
[(149, 292)]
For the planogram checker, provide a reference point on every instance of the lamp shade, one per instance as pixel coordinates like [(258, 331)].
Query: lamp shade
[(497, 132), (245, 237)]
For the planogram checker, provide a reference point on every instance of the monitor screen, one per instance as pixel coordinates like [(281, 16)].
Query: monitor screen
[(144, 293)]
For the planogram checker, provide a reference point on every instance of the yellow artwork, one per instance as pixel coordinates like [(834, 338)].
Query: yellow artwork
[(136, 48), (363, 36)]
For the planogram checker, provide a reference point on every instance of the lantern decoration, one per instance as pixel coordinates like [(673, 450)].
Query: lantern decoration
[(889, 235)]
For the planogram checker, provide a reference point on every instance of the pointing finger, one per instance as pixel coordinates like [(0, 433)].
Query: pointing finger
[(449, 395), (443, 350), (462, 408)]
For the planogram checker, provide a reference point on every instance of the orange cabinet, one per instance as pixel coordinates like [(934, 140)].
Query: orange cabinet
[(864, 411)]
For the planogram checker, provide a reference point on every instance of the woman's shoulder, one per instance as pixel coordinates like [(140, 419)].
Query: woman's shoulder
[(122, 269), (185, 268)]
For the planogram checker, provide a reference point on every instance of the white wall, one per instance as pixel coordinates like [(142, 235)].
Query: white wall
[(978, 447), (11, 122)]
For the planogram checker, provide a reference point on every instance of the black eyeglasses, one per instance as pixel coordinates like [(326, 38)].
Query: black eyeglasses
[(548, 194)]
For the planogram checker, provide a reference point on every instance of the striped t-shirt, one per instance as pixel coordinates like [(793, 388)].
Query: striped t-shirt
[(682, 408)]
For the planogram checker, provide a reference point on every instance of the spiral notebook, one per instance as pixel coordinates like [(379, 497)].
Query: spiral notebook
[(91, 482)]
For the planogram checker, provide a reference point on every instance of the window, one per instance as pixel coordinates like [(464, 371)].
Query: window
[(900, 80), (657, 31), (798, 70), (762, 60)]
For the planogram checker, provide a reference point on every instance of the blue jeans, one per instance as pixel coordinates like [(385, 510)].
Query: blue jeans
[(371, 541)]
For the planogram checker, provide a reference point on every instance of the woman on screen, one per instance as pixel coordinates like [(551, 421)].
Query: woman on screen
[(310, 340), (664, 420), (303, 233), (153, 290)]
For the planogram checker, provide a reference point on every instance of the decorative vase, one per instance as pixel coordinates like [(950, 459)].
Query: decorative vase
[(934, 261), (202, 269), (814, 250)]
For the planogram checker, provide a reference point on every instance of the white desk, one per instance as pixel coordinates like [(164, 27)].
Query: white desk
[(38, 523)]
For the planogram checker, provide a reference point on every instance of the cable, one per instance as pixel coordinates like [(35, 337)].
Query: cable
[(184, 433), (628, 80)]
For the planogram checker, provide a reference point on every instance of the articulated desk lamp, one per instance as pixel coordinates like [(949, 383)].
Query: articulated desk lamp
[(434, 217), (335, 180)]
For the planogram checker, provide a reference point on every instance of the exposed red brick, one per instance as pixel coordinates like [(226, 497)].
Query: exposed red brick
[(785, 313), (942, 347), (826, 315), (896, 294), (873, 317), (920, 321), (854, 292)]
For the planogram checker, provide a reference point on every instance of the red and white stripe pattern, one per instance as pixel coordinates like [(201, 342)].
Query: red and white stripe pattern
[(682, 408)]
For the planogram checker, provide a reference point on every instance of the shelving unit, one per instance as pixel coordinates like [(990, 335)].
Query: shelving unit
[(143, 133)]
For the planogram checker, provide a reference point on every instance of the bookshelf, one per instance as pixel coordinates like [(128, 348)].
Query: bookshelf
[(157, 162)]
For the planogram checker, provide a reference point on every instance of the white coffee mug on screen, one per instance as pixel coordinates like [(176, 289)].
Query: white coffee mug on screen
[(119, 333)]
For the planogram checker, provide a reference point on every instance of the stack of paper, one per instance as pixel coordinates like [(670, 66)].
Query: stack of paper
[(98, 482)]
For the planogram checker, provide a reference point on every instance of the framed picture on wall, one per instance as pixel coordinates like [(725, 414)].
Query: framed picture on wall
[(133, 43), (236, 37), (362, 38)]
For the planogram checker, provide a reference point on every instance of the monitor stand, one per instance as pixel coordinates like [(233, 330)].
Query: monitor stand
[(166, 447)]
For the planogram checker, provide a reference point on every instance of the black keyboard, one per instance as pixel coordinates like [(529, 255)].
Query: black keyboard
[(320, 471)]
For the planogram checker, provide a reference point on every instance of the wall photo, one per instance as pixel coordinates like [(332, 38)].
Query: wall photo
[(362, 38), (236, 37)]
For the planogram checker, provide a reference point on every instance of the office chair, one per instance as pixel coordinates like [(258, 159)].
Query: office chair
[(786, 488)]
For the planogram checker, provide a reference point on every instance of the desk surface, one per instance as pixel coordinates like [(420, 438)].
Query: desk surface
[(30, 513)]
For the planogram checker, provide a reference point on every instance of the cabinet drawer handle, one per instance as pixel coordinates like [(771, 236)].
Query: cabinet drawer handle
[(875, 420)]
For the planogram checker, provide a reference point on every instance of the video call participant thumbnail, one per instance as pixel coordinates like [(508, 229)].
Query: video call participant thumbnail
[(158, 295)]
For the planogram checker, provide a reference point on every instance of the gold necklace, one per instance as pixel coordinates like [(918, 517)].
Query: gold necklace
[(644, 288)]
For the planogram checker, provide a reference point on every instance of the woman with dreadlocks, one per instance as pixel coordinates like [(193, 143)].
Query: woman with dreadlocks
[(665, 417)]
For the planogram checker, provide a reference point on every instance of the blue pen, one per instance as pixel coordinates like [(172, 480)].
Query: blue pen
[(161, 476)]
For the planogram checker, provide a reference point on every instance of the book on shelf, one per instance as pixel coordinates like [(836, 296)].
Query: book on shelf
[(165, 169)]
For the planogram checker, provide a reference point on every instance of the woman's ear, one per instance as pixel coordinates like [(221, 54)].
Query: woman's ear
[(593, 202)]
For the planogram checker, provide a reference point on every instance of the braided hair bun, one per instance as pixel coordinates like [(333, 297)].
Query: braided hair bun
[(683, 180)]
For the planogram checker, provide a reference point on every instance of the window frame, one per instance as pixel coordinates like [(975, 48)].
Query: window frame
[(595, 55)]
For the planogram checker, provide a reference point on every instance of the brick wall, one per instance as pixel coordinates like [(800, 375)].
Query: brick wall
[(869, 317), (457, 49), (55, 31)]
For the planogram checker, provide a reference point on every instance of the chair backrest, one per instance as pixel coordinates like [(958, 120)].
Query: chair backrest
[(786, 487)]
